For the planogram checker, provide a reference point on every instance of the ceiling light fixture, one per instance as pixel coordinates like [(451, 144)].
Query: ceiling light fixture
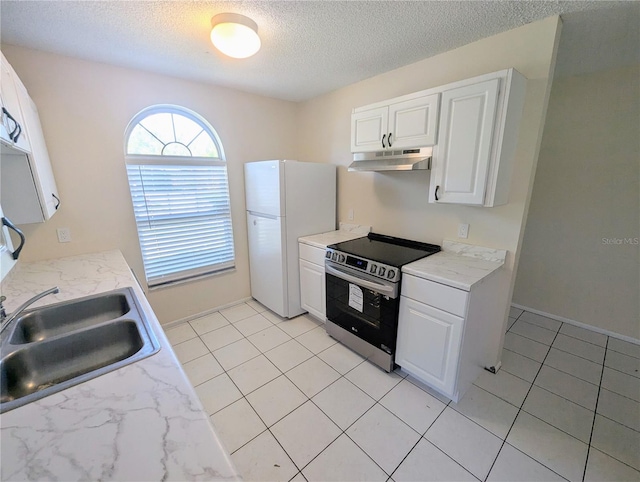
[(235, 35)]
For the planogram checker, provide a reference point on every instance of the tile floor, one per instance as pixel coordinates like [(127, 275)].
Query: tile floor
[(291, 404)]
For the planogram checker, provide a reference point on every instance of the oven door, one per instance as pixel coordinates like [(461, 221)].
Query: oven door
[(363, 305)]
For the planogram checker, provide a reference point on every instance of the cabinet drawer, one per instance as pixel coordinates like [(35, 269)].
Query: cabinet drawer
[(312, 254), (446, 298)]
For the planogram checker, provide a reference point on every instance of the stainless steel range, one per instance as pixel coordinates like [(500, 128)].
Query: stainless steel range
[(363, 292)]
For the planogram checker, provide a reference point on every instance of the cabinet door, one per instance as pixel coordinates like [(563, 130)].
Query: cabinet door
[(462, 160), (428, 344), (313, 289), (414, 123), (9, 100), (367, 129)]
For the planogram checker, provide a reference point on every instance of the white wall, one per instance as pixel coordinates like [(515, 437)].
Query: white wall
[(585, 196), (396, 203), (84, 108)]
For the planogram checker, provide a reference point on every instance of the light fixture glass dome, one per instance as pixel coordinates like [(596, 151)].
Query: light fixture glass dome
[(235, 35)]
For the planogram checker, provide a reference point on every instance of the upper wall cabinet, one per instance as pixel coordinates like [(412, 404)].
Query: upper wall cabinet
[(479, 122), (28, 188), (402, 123)]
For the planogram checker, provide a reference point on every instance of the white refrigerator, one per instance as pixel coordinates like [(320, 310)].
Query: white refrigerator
[(285, 200)]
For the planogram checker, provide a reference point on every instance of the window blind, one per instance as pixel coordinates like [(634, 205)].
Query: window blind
[(183, 217)]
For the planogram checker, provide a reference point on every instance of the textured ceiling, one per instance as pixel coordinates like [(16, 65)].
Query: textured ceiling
[(308, 47)]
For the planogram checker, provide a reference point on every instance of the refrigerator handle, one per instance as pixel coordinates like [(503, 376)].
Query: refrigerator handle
[(261, 215)]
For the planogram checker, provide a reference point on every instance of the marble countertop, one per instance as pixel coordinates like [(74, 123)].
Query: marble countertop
[(140, 422), (345, 233), (458, 265)]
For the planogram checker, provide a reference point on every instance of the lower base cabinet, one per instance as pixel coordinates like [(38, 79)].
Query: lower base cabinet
[(312, 289)]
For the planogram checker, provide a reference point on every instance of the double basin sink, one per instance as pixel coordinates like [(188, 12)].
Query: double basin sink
[(55, 347)]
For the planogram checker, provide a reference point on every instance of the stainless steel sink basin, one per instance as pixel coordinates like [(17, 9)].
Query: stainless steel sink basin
[(58, 346)]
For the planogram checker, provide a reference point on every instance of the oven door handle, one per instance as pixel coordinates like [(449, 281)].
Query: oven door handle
[(378, 287)]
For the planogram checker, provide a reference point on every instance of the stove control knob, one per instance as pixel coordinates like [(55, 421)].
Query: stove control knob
[(334, 256), (327, 255), (391, 274), (341, 258), (381, 271), (373, 269)]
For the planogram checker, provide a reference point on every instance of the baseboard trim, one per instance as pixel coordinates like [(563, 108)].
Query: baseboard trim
[(182, 321), (578, 324)]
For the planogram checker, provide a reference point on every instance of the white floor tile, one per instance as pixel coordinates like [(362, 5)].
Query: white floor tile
[(253, 324), (466, 442), (580, 348), (298, 478), (190, 350), (237, 424), (343, 402), (288, 355), (238, 312), (569, 387), (542, 321), (551, 447), (621, 409), (202, 369), (217, 393), (341, 358), (267, 339), (519, 365), (293, 433), (273, 317), (412, 405), (253, 374), (574, 365), (533, 332), (602, 467), (525, 347), (221, 337), (235, 354), (621, 383), (583, 334), (316, 340), (297, 326), (427, 463), (487, 410), (342, 461), (373, 431), (180, 333), (312, 376), (515, 312), (514, 466), (276, 399), (623, 363), (263, 460), (373, 380), (208, 323), (426, 388), (625, 347), (560, 412), (259, 307), (504, 385), (616, 440)]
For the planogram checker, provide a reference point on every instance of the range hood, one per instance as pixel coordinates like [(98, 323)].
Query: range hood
[(396, 160)]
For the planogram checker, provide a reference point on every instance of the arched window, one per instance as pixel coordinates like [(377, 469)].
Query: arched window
[(180, 192)]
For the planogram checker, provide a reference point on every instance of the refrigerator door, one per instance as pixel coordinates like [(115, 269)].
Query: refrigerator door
[(264, 187), (267, 252)]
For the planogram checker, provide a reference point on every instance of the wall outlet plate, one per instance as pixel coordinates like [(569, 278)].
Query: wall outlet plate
[(64, 235), (463, 231)]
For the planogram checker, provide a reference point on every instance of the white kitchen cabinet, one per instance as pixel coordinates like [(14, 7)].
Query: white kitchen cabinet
[(401, 123), (312, 280), (12, 125), (28, 187), (478, 132)]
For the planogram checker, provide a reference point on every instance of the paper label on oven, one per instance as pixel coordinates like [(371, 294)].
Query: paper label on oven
[(355, 297)]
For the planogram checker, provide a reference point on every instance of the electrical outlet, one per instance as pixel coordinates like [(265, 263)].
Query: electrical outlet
[(463, 231), (64, 235), (350, 216)]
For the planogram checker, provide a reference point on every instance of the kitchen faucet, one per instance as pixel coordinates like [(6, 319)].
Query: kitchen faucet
[(6, 320)]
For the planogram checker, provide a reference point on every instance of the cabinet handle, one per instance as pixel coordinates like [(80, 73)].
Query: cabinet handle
[(436, 193), (10, 225), (57, 201), (15, 123), (15, 136), (389, 139), (383, 137)]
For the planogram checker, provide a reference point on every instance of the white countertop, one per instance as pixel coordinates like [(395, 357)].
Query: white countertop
[(345, 233), (140, 422), (458, 265)]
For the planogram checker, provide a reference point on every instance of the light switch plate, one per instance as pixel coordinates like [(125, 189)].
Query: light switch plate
[(463, 231)]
